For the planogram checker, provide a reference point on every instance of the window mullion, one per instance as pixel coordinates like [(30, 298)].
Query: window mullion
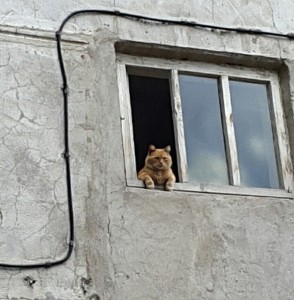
[(178, 127), (281, 141), (229, 132), (126, 121)]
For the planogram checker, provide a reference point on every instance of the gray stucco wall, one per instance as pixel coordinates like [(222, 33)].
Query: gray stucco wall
[(131, 243)]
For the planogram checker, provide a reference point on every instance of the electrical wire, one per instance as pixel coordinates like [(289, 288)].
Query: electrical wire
[(187, 23), (66, 153)]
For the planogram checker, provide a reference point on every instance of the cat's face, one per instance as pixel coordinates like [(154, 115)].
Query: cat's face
[(158, 159)]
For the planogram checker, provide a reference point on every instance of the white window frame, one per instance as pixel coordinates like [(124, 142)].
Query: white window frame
[(223, 72)]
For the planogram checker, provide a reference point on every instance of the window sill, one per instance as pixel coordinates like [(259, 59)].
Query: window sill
[(226, 190)]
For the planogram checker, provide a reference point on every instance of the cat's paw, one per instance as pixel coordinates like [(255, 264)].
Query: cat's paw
[(149, 184), (169, 187)]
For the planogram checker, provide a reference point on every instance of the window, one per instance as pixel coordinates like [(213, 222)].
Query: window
[(225, 124)]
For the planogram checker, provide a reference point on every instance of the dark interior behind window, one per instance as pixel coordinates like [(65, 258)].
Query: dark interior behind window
[(152, 116)]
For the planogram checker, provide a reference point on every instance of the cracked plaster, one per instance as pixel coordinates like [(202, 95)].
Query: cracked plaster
[(264, 15), (130, 243)]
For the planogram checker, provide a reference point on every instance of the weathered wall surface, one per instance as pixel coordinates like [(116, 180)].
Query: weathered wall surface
[(272, 14), (131, 243)]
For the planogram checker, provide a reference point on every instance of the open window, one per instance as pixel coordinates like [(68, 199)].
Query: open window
[(151, 114), (225, 124)]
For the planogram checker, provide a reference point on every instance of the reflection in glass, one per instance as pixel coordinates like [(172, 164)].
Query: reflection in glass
[(203, 130), (256, 154)]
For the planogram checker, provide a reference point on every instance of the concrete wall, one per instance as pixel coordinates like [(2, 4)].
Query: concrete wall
[(131, 243)]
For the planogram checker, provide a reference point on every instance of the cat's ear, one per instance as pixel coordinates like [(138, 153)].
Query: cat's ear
[(151, 148), (167, 148)]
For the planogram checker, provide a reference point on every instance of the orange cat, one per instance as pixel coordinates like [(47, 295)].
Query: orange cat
[(157, 169)]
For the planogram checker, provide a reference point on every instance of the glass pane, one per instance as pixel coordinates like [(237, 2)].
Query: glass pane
[(256, 154), (203, 130)]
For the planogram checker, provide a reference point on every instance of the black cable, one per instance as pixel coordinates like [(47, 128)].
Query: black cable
[(66, 154), (187, 23)]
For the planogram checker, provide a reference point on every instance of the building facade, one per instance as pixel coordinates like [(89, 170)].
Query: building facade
[(214, 80)]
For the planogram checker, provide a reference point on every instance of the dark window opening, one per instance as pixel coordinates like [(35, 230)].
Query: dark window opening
[(152, 116)]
